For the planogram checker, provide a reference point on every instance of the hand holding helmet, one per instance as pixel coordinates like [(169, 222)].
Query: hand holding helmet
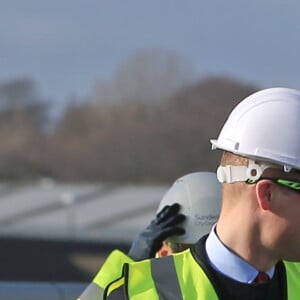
[(164, 225)]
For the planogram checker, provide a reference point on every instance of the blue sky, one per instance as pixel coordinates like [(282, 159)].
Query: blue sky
[(66, 46)]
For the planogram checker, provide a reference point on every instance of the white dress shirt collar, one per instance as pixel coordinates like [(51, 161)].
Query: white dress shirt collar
[(228, 263)]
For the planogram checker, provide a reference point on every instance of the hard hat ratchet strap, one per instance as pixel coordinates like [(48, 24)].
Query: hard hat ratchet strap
[(250, 173)]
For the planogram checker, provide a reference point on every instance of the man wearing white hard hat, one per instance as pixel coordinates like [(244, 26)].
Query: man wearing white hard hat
[(186, 212), (253, 251), (199, 197)]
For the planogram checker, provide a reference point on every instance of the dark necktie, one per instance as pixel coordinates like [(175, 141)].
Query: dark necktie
[(262, 277)]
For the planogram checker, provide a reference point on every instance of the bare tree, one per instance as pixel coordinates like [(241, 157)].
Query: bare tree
[(21, 105), (134, 141), (23, 117), (148, 76)]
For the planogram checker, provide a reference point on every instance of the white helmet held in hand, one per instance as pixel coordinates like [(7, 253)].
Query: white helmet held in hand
[(265, 127), (199, 195)]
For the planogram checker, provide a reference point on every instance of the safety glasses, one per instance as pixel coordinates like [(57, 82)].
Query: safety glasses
[(290, 184)]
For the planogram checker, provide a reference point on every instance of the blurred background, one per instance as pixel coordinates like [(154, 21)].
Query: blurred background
[(103, 104)]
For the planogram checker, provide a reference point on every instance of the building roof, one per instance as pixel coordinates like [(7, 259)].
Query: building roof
[(104, 212)]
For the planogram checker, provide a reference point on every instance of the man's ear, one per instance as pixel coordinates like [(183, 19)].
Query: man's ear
[(264, 193)]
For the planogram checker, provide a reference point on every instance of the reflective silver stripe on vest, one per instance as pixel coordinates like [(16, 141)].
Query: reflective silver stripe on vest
[(165, 278), (92, 292)]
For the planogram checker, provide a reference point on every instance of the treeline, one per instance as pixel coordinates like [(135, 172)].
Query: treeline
[(132, 140), (151, 122)]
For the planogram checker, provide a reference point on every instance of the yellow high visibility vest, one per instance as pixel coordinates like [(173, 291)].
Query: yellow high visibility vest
[(178, 277), (110, 270)]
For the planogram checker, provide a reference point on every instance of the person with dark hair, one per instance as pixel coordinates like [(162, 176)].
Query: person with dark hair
[(186, 212)]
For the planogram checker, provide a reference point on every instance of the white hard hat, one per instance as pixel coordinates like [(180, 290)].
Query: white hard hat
[(199, 195), (265, 127)]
